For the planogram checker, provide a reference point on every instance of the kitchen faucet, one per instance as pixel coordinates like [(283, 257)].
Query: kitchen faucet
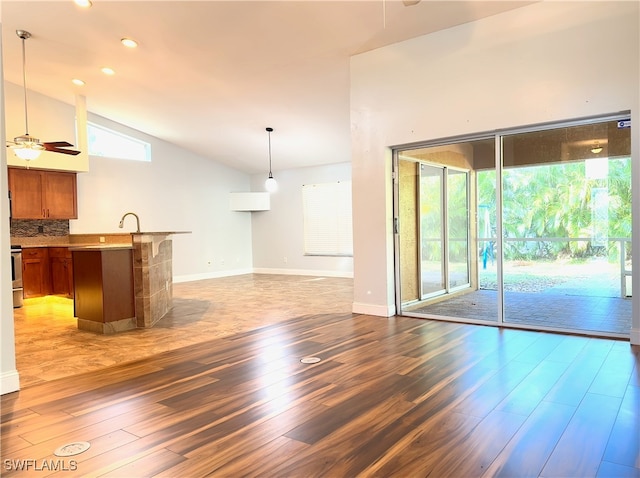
[(133, 214)]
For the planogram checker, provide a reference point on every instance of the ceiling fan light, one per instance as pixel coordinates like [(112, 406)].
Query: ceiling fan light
[(27, 153)]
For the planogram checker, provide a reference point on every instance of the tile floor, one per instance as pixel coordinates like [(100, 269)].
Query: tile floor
[(49, 345)]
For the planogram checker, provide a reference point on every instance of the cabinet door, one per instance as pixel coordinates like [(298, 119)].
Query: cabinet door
[(60, 195), (26, 194), (60, 264), (35, 272)]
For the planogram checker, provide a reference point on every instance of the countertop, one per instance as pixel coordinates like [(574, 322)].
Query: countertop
[(99, 247), (158, 233), (79, 245), (72, 240), (102, 240)]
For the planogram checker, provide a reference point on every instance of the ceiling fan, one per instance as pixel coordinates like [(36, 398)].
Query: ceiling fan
[(26, 146)]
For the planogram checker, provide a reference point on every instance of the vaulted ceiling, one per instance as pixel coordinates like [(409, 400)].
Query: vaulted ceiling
[(210, 76)]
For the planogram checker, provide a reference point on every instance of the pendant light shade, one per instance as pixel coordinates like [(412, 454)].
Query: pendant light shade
[(270, 184)]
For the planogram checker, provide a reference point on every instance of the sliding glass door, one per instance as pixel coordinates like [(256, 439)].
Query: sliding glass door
[(548, 243)]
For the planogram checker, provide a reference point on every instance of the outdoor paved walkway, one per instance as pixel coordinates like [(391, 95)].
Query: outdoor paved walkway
[(551, 308)]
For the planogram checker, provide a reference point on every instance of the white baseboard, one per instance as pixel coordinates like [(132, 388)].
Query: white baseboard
[(237, 272), (9, 382), (304, 272), (634, 336), (211, 275), (374, 309)]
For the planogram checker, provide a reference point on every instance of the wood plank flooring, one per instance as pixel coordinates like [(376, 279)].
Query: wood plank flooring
[(398, 397)]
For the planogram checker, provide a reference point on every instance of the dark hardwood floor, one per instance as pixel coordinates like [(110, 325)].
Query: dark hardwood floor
[(398, 397)]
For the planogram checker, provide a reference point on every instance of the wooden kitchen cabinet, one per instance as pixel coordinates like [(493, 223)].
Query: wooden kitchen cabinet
[(61, 267), (41, 194), (35, 272)]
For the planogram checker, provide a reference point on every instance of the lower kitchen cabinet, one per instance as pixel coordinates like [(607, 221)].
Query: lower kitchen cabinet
[(35, 272), (47, 270), (61, 267)]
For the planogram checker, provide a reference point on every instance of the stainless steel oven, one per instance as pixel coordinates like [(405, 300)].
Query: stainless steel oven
[(16, 275)]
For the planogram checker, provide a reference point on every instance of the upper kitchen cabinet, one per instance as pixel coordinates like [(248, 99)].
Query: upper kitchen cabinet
[(40, 194)]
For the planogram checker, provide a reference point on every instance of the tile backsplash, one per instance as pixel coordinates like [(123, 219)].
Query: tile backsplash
[(39, 227)]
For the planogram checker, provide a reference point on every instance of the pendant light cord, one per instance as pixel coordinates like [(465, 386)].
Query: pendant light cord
[(269, 130), (24, 84)]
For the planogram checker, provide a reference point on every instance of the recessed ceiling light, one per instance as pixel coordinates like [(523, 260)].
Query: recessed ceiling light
[(108, 71), (77, 82), (83, 3), (129, 43)]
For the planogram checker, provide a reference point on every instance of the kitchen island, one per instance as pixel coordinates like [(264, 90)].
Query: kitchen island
[(104, 288), (124, 286)]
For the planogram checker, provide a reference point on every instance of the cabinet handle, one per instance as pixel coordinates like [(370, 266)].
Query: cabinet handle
[(43, 214)]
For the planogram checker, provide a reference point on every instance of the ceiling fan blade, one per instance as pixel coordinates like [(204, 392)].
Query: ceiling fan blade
[(53, 147), (72, 152), (58, 144)]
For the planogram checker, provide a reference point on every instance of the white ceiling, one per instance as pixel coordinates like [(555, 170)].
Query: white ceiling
[(210, 76)]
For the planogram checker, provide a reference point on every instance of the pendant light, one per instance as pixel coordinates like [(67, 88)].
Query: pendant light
[(270, 184), (27, 147)]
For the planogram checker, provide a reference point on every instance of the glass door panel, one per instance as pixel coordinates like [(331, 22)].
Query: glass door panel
[(566, 217), (445, 195), (458, 228), (432, 242), (408, 231)]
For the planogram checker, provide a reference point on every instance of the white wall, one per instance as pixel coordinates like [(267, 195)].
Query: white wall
[(9, 379), (545, 62), (278, 233), (176, 191)]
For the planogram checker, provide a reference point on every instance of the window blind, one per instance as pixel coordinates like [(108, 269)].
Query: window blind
[(328, 230)]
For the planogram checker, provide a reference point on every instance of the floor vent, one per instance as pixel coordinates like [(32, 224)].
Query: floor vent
[(72, 449), (311, 360)]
